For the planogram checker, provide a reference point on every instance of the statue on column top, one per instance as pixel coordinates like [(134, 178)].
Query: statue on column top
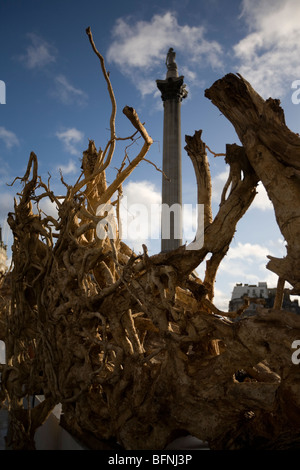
[(170, 60), (171, 64)]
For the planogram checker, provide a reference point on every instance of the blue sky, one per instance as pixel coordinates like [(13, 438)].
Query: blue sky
[(56, 97)]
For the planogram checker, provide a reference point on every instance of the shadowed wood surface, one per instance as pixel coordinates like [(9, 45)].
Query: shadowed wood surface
[(132, 346)]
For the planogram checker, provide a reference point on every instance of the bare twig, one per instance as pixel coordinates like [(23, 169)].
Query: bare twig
[(112, 98)]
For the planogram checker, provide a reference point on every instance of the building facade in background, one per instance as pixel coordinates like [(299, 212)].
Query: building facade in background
[(260, 296)]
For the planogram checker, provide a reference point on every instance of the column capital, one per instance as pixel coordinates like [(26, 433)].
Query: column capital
[(172, 88)]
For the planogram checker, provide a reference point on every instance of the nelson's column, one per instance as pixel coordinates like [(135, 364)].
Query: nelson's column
[(172, 93)]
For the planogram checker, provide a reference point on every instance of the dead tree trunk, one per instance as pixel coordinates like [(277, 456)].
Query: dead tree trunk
[(132, 346), (274, 151)]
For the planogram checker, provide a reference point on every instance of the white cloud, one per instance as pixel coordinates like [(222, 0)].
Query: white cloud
[(261, 200), (144, 192), (6, 206), (246, 262), (139, 48), (221, 300), (70, 137), (269, 55), (140, 213), (147, 86), (9, 138), (247, 251), (218, 183), (69, 168), (6, 202), (67, 93), (49, 208), (190, 223), (39, 53)]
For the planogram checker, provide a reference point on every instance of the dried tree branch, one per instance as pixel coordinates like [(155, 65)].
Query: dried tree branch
[(136, 342), (112, 141), (274, 151)]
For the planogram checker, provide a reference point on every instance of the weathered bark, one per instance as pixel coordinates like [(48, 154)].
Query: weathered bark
[(274, 151), (242, 182), (132, 346), (196, 150)]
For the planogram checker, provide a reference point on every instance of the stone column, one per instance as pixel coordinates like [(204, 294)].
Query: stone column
[(172, 92)]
